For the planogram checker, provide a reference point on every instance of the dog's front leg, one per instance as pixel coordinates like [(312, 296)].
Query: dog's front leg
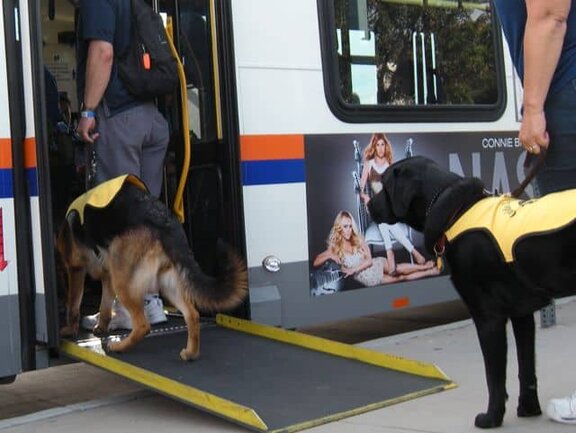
[(134, 303), (76, 277), (105, 305), (525, 334), (492, 336)]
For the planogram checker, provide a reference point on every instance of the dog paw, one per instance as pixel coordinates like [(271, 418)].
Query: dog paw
[(528, 407), (486, 420), (69, 331), (115, 346), (187, 355), (99, 332)]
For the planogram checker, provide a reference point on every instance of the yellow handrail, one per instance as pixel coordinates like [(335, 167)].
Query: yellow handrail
[(178, 206)]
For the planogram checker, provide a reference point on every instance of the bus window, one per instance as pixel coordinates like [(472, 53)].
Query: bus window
[(431, 57)]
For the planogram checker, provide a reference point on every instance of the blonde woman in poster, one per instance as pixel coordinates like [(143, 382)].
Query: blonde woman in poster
[(377, 158), (346, 246)]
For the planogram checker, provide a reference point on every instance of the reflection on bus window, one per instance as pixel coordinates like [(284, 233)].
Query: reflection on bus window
[(415, 52), (195, 51)]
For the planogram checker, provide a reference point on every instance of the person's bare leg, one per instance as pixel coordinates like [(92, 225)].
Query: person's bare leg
[(391, 262), (421, 274), (419, 258), (409, 268)]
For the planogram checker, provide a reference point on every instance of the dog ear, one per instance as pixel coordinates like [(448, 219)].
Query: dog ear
[(402, 182), (64, 237), (401, 185), (391, 204), (380, 208)]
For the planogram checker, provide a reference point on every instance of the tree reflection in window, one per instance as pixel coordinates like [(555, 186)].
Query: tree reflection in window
[(416, 52)]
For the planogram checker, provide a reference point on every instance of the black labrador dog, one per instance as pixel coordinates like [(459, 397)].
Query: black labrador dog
[(499, 277)]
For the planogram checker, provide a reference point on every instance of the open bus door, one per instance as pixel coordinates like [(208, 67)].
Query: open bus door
[(11, 202), (201, 168), (27, 311)]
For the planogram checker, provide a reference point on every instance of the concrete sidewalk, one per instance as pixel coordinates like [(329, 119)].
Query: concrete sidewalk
[(454, 348)]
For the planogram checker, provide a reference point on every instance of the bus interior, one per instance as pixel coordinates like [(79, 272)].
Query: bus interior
[(197, 174)]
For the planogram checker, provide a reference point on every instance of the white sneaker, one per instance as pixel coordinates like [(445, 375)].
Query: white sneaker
[(153, 309), (563, 409)]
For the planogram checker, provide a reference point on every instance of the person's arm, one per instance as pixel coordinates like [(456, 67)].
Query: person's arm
[(367, 262), (363, 179), (323, 257), (98, 70), (543, 40)]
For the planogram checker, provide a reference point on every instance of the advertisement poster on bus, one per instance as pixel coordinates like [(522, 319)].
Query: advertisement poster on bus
[(343, 171)]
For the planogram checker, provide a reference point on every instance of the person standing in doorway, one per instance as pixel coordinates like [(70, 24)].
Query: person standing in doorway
[(541, 35), (124, 134)]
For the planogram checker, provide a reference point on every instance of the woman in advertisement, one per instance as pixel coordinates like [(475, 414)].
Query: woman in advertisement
[(377, 158), (347, 247)]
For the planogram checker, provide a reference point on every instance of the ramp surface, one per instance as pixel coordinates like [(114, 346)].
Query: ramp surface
[(265, 378)]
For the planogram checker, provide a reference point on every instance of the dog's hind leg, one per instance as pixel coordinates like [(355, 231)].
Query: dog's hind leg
[(192, 318), (172, 289), (524, 334), (492, 336), (130, 276)]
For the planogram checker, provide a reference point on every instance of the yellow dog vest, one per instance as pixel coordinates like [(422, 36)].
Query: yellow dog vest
[(101, 195), (508, 219)]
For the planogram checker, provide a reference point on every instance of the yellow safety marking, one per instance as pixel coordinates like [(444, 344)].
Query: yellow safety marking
[(94, 354), (360, 410), (392, 362)]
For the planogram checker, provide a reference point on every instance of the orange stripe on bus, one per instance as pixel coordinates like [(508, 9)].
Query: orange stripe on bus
[(5, 153), (271, 147), (401, 302), (30, 160)]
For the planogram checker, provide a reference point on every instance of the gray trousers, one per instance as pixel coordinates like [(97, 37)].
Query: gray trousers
[(133, 141)]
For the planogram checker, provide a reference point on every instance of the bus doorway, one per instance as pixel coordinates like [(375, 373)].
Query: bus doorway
[(200, 172)]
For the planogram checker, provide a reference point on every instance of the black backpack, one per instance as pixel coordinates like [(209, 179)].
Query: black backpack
[(147, 68)]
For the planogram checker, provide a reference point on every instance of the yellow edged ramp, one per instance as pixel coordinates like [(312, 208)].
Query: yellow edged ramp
[(267, 379)]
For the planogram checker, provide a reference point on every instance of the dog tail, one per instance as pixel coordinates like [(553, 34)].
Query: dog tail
[(223, 291), (225, 288)]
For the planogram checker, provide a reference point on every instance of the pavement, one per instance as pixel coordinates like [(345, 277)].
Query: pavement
[(78, 397)]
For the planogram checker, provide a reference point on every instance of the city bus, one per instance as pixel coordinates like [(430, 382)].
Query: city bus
[(268, 133)]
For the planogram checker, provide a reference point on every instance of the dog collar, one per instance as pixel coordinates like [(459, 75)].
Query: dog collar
[(433, 201)]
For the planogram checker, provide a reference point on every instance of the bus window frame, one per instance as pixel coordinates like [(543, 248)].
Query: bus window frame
[(357, 113)]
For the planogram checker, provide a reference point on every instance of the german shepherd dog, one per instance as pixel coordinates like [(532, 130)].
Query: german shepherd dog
[(135, 245), (495, 281)]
